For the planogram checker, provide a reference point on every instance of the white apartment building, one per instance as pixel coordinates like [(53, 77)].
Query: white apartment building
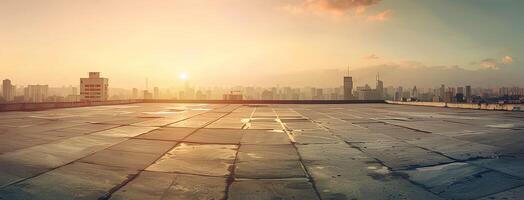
[(94, 88)]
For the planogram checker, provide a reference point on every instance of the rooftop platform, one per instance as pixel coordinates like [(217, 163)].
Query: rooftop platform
[(285, 151)]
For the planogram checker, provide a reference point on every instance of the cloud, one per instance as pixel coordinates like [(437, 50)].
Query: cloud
[(372, 57), (489, 63), (382, 16), (405, 74), (334, 7), (507, 59)]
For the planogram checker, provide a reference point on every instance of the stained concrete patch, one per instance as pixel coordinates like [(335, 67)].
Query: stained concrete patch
[(315, 136), (513, 164), (210, 160), (189, 187), (456, 149), (267, 152), (462, 180), (271, 189), (361, 178), (400, 155), (513, 194), (174, 134), (75, 181)]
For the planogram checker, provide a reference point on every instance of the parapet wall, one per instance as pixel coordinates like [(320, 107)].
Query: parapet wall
[(484, 106), (51, 105), (264, 101)]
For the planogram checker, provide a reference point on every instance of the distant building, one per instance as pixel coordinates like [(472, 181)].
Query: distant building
[(94, 88), (135, 94), (148, 95), (348, 87), (267, 95), (366, 93), (8, 90), (468, 94), (414, 92), (35, 93), (156, 93), (233, 95)]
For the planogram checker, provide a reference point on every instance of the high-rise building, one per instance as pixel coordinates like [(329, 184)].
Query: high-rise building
[(442, 92), (380, 88), (94, 88), (35, 93), (156, 93), (8, 90), (414, 92), (348, 87), (135, 93)]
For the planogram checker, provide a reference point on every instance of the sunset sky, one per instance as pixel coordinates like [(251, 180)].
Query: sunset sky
[(259, 42)]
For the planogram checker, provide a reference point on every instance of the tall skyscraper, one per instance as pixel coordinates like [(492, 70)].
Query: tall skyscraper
[(348, 87), (8, 90), (414, 92), (94, 88), (468, 94), (380, 88)]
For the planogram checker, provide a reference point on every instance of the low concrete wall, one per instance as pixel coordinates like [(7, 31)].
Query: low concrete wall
[(264, 101), (484, 106), (51, 105)]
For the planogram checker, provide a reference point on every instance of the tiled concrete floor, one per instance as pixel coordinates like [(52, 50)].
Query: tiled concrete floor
[(198, 151)]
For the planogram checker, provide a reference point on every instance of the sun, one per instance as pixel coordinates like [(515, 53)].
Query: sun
[(183, 76)]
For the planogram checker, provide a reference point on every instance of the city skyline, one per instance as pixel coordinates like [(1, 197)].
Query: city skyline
[(262, 43)]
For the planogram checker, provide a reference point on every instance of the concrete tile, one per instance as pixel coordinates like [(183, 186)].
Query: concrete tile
[(361, 178), (144, 146), (216, 136), (399, 155), (75, 181), (147, 185), (513, 194), (456, 149), (125, 131), (210, 160), (271, 189), (462, 180), (189, 187), (267, 152), (315, 136), (175, 134), (125, 159), (262, 169), (265, 137), (513, 165)]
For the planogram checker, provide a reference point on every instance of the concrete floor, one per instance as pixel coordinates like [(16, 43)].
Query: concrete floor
[(196, 151)]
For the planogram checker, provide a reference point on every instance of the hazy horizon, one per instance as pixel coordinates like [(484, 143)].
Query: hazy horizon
[(263, 43)]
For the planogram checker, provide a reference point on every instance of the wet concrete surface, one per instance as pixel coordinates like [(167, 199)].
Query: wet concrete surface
[(218, 151)]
